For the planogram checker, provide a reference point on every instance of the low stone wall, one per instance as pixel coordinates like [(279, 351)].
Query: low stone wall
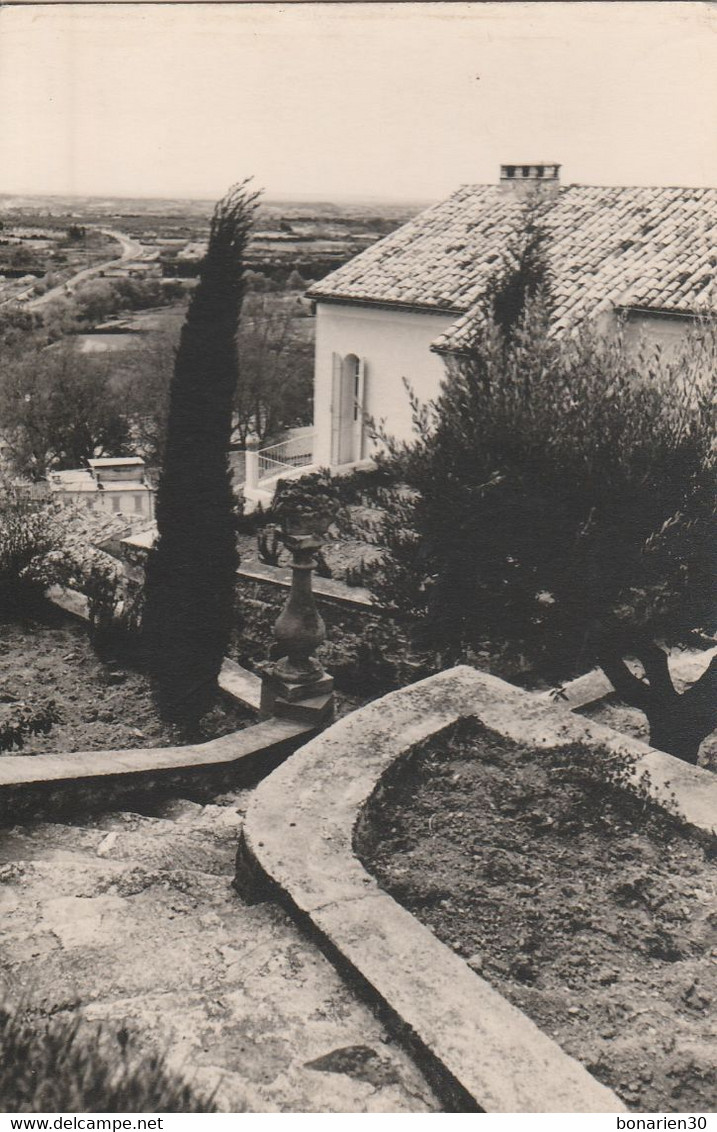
[(73, 782), (79, 781), (482, 1053), (326, 589)]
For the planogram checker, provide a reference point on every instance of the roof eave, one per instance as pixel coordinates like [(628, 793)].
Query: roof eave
[(451, 351), (662, 312), (386, 304)]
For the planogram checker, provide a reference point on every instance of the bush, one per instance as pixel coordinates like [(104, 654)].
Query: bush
[(31, 542), (367, 655), (22, 722), (562, 509), (116, 611), (68, 1065), (305, 498)]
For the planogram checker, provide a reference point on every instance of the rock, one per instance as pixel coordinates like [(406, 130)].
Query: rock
[(104, 849), (606, 977), (475, 961), (695, 997), (360, 1062)]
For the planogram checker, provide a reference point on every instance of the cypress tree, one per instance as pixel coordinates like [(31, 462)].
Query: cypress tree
[(191, 572)]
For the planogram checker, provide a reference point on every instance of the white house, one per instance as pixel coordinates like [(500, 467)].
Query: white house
[(113, 485), (396, 310)]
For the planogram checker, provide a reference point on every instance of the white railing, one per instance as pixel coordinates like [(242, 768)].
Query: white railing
[(296, 451), (267, 467), (269, 463)]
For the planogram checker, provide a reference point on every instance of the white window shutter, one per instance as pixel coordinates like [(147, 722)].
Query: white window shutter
[(360, 409), (336, 371)]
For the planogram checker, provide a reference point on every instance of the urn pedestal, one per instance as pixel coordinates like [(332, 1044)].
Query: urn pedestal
[(294, 684)]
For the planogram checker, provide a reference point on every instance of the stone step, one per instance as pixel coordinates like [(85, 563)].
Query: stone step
[(154, 843), (170, 815), (231, 990)]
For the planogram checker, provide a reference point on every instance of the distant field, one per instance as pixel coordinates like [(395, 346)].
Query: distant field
[(35, 254), (310, 237)]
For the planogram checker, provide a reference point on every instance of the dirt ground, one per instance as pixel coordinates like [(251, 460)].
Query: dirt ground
[(102, 706), (592, 912)]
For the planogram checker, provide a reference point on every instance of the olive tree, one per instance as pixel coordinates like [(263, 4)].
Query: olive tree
[(560, 508)]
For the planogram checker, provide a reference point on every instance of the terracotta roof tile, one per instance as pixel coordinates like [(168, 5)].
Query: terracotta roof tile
[(651, 247)]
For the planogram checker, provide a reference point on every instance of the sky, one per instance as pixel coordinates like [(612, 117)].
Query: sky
[(338, 100)]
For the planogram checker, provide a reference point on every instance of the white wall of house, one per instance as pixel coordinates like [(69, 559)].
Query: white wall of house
[(390, 344), (669, 333), (136, 501), (387, 345)]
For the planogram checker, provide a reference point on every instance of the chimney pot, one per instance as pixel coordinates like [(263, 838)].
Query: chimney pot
[(543, 176)]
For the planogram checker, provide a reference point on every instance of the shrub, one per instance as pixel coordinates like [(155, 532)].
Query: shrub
[(116, 611), (31, 544), (68, 1065), (367, 655), (269, 546), (306, 498), (563, 510), (22, 722)]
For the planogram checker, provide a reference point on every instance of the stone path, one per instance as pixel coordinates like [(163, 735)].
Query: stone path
[(135, 918)]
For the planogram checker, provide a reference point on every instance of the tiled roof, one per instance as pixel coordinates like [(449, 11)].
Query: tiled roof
[(609, 247)]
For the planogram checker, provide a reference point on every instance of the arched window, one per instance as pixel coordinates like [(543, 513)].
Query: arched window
[(347, 409)]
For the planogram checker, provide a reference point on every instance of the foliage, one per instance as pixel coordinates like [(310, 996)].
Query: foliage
[(249, 522), (191, 572), (22, 722), (66, 1064), (258, 281), (305, 497), (523, 276), (98, 299), (367, 655), (31, 548), (58, 410), (269, 545), (365, 485), (147, 375), (17, 323), (275, 384), (562, 505), (115, 607), (358, 576), (295, 281)]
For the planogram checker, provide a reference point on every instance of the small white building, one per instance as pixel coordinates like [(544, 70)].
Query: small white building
[(400, 308), (111, 484)]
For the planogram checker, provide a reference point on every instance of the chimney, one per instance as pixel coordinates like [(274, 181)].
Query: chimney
[(543, 176)]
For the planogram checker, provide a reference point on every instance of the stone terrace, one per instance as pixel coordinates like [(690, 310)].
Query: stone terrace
[(134, 917)]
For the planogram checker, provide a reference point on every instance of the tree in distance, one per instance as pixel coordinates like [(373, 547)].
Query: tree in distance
[(59, 409), (274, 391)]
